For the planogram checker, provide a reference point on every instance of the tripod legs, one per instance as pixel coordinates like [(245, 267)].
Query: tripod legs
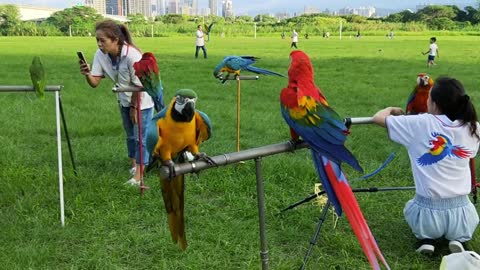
[(316, 234)]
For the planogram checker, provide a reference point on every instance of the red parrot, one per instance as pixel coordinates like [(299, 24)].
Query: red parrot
[(417, 101), (146, 69), (306, 111)]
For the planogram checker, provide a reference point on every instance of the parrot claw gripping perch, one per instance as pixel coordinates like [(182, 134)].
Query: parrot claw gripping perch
[(171, 168), (206, 158)]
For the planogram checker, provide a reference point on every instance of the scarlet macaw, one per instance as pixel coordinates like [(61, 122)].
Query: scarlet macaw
[(306, 111), (38, 76), (171, 132), (235, 64), (417, 101), (147, 71)]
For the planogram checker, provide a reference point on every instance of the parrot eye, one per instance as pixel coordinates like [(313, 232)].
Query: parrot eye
[(182, 100)]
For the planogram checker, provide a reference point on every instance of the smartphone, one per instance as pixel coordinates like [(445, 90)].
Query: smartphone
[(81, 57)]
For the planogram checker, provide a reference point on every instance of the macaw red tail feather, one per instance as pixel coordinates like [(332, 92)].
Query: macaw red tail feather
[(173, 197), (352, 210)]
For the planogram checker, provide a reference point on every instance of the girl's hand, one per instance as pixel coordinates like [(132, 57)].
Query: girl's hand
[(379, 117), (84, 68), (133, 114)]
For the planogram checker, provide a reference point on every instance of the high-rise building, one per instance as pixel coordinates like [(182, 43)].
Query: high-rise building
[(213, 5), (193, 7), (173, 7), (138, 7), (227, 8), (98, 5), (113, 7)]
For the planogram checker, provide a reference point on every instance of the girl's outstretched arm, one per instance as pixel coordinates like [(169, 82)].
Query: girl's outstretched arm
[(380, 116)]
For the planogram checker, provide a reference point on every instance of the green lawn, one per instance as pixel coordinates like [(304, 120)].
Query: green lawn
[(109, 226)]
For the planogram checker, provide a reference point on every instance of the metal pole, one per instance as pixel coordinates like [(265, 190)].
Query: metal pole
[(28, 88), (261, 213), (65, 129), (358, 120), (241, 77), (238, 113), (314, 239), (59, 153), (231, 158)]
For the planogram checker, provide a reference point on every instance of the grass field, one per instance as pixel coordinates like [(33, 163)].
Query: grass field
[(109, 226)]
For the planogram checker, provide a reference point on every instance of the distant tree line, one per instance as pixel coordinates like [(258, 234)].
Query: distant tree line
[(80, 21)]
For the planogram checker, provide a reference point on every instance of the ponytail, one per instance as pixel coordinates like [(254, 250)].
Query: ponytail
[(449, 95), (116, 31)]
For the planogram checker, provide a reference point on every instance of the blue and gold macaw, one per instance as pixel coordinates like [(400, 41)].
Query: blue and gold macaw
[(208, 29), (308, 114), (171, 132), (235, 64)]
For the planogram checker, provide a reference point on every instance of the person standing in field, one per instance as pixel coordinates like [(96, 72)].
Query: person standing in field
[(294, 39), (432, 52), (114, 59), (200, 42), (440, 144)]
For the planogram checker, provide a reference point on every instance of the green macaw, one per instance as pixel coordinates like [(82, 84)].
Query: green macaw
[(37, 74)]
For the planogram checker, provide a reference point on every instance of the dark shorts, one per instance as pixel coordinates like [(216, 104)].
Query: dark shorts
[(431, 57)]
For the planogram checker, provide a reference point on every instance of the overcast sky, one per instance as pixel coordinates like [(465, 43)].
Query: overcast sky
[(249, 6)]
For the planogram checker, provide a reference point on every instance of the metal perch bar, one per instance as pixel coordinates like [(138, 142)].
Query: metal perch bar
[(28, 88), (234, 77), (117, 89), (231, 158), (358, 120)]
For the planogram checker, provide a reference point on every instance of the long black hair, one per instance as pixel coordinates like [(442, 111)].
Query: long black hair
[(450, 97)]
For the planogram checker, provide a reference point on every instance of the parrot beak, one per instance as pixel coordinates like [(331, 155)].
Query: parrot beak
[(189, 109), (217, 75)]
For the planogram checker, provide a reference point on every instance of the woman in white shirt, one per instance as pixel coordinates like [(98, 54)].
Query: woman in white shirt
[(114, 58), (440, 144)]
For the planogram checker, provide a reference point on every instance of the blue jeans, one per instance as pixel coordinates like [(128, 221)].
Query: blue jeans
[(204, 51), (131, 130)]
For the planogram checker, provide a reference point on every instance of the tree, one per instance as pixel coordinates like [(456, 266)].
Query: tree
[(137, 18), (78, 17), (473, 15), (265, 18), (173, 18), (429, 13), (9, 19), (403, 16)]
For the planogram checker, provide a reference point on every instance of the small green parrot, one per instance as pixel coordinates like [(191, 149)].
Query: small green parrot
[(37, 74)]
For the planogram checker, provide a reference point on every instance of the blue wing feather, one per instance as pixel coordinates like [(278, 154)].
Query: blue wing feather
[(152, 130), (207, 122), (324, 138)]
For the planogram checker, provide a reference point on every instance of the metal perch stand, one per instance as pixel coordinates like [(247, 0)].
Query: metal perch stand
[(59, 114)]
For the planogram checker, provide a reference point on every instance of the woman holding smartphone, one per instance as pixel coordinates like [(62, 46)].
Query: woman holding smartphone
[(114, 59)]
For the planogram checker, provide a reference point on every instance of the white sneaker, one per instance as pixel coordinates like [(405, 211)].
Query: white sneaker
[(133, 170), (426, 249), (455, 246), (132, 182)]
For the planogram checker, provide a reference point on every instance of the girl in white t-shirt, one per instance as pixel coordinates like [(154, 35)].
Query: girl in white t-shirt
[(114, 58), (440, 144)]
